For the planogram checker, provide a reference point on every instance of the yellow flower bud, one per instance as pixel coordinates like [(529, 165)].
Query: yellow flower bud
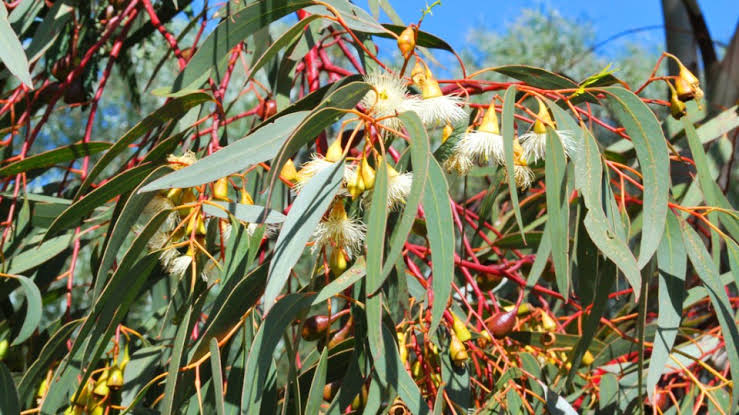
[(401, 346), (246, 198), (418, 73), (543, 119), (335, 152), (677, 108), (547, 322), (587, 358), (518, 158), (115, 381), (3, 348), (368, 173), (407, 41), (196, 222), (484, 340), (288, 171), (490, 121), (188, 196), (101, 388), (174, 195), (220, 189), (356, 186), (416, 369), (458, 351), (460, 330), (446, 133), (337, 262)]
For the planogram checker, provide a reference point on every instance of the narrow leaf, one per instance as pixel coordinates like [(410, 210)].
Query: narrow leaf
[(52, 157), (508, 128), (305, 213), (440, 234), (376, 229)]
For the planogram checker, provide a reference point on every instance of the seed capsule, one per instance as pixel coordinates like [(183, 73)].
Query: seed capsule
[(678, 109), (501, 323), (314, 327)]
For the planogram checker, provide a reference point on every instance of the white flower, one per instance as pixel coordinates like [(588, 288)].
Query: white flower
[(523, 176), (157, 204), (439, 110), (535, 145), (398, 187), (317, 164), (178, 162), (388, 97), (338, 230), (481, 146), (459, 163), (179, 266)]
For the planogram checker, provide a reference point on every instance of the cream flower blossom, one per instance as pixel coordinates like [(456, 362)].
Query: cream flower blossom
[(178, 162), (157, 204), (435, 108), (523, 176), (534, 143), (317, 164), (179, 266), (339, 231), (479, 146), (398, 187), (388, 97), (459, 163)]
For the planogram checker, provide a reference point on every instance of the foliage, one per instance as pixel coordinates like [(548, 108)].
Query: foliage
[(290, 224)]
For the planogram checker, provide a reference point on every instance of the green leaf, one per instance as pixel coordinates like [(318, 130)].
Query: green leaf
[(52, 157), (173, 109), (315, 397), (283, 41), (216, 369), (706, 270), (305, 213), (420, 156), (589, 172), (536, 77), (173, 372), (440, 228), (229, 33), (37, 255), (50, 28), (557, 223), (245, 213), (651, 151), (342, 282), (33, 309), (604, 280), (509, 99), (51, 351), (74, 214), (711, 191), (672, 265), (11, 50), (121, 281), (9, 403), (261, 145), (376, 224), (129, 214), (399, 378), (614, 248), (263, 346), (232, 302)]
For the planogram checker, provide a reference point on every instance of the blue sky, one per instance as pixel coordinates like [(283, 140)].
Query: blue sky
[(453, 19)]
